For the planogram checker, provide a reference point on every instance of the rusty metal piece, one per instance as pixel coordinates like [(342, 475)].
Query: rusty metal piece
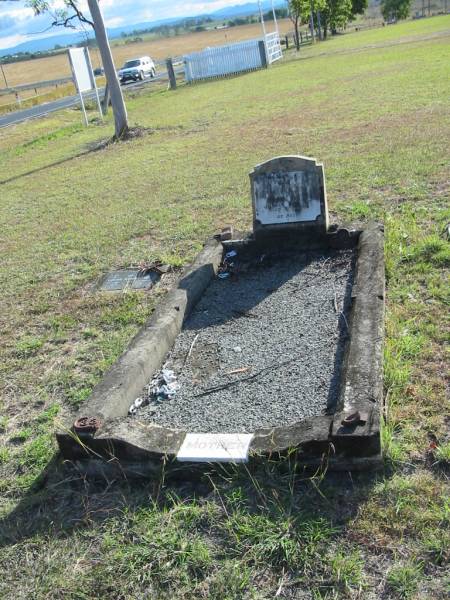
[(353, 419), (87, 425)]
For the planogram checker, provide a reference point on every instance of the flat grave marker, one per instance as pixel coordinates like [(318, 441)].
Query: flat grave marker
[(128, 279)]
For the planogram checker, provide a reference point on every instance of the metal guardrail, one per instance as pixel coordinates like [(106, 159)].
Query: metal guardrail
[(55, 82), (34, 86)]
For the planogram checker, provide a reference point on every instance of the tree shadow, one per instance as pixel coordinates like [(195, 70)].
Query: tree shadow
[(62, 501), (302, 298)]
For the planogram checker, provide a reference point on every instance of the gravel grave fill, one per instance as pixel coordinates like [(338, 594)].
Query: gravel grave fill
[(262, 348)]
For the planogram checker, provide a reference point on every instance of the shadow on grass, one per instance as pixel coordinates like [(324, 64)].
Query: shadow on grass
[(62, 500), (45, 167), (96, 146)]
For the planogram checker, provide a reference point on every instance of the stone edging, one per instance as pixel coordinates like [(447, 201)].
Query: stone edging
[(141, 448)]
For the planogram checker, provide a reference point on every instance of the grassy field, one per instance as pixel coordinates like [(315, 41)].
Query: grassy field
[(54, 67), (374, 108)]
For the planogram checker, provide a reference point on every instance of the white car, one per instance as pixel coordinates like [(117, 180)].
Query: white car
[(138, 68)]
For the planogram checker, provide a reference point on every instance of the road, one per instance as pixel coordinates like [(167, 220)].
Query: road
[(67, 102)]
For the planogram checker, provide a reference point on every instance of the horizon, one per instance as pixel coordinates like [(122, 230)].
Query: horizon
[(19, 25)]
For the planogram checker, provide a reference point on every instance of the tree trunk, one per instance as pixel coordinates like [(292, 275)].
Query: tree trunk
[(311, 21), (118, 104), (319, 28), (297, 36)]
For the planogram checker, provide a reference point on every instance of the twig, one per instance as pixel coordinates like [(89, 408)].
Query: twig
[(224, 386), (280, 587), (335, 302), (186, 358), (236, 371), (345, 319)]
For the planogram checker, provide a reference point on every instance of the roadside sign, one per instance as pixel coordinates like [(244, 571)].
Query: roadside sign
[(83, 76)]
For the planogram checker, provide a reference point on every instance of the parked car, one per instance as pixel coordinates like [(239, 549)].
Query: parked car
[(138, 68), (99, 71)]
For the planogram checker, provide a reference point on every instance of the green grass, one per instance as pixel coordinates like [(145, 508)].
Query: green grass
[(373, 106)]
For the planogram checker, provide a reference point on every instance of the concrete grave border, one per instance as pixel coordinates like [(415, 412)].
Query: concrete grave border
[(124, 444)]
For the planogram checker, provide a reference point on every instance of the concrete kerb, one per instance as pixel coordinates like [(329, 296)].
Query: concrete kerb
[(123, 444)]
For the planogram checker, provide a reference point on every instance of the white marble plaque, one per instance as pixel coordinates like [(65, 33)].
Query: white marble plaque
[(289, 197), (287, 191), (215, 447)]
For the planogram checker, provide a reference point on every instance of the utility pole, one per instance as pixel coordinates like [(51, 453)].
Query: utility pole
[(118, 104), (275, 18), (4, 76), (262, 20)]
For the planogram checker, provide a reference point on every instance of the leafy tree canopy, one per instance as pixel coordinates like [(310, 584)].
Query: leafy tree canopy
[(395, 9)]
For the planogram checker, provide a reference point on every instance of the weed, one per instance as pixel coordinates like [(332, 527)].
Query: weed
[(4, 455), (288, 542), (28, 346), (347, 570), (403, 580), (436, 545), (442, 454)]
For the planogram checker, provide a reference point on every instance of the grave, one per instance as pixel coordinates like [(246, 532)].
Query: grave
[(269, 344), (128, 279)]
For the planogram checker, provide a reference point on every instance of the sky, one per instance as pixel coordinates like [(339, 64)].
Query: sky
[(19, 24)]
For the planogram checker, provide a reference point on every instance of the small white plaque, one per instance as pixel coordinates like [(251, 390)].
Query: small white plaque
[(215, 447)]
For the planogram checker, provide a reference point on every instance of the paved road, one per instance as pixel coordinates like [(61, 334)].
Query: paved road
[(67, 102)]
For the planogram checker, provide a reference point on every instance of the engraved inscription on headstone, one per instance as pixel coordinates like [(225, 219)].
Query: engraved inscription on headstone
[(128, 279), (289, 190), (215, 447)]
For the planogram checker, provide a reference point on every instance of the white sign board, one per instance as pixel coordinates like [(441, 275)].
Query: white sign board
[(81, 69), (215, 447), (83, 76)]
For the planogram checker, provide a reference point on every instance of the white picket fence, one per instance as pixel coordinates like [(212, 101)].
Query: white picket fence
[(223, 60), (231, 59), (273, 47)]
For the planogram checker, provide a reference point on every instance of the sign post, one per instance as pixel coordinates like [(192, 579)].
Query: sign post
[(83, 76)]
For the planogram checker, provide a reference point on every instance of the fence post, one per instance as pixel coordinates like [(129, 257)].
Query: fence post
[(171, 73), (263, 54), (287, 42)]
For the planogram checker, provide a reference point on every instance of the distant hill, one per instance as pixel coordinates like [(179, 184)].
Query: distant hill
[(69, 38)]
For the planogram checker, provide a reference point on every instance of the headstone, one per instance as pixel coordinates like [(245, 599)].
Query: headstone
[(288, 192), (132, 279), (215, 447)]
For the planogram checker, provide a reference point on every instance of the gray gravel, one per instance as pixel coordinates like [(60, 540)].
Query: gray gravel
[(282, 323)]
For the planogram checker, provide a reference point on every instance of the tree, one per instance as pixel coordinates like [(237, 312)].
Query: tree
[(66, 15), (333, 14), (295, 9), (395, 9)]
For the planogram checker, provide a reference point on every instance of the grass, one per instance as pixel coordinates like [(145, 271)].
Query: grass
[(379, 120)]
